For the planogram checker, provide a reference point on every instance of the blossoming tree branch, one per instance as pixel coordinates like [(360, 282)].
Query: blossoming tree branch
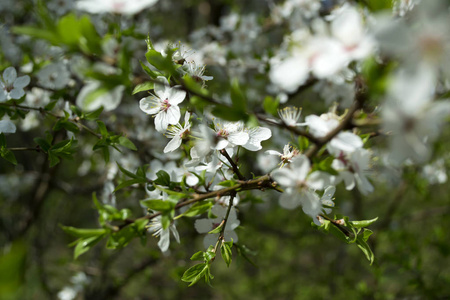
[(196, 129)]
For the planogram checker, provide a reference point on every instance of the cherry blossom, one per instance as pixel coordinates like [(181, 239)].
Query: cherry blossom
[(163, 104)]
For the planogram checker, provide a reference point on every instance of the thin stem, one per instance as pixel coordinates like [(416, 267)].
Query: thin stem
[(75, 120), (37, 149), (292, 129), (224, 222), (233, 164), (261, 183)]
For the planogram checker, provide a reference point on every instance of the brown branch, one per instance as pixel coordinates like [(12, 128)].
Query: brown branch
[(261, 183), (292, 129)]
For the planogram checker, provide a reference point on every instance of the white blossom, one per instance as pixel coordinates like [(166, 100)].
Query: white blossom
[(11, 86), (114, 6), (163, 104), (164, 234), (177, 133)]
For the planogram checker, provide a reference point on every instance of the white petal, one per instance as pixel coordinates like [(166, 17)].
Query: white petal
[(22, 81), (289, 200), (290, 74), (346, 142), (284, 177), (161, 89), (221, 144), (238, 138), (230, 235), (273, 152), (203, 225), (173, 144), (176, 96), (161, 122), (191, 179), (7, 126), (173, 115), (300, 166), (311, 204), (210, 239), (318, 180), (164, 240), (148, 106), (17, 93), (174, 231), (10, 75)]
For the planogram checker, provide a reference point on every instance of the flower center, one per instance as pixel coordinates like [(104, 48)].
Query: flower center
[(223, 133), (165, 105)]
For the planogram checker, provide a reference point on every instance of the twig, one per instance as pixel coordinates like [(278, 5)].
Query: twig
[(233, 164)]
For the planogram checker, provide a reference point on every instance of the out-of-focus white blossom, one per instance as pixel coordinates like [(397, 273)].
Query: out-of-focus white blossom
[(11, 86), (93, 95), (114, 6)]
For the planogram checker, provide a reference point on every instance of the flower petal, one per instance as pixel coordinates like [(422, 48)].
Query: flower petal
[(176, 95), (173, 115), (173, 144), (9, 76)]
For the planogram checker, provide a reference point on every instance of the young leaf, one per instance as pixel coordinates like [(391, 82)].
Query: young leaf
[(363, 223), (123, 141), (143, 87), (195, 273), (225, 250)]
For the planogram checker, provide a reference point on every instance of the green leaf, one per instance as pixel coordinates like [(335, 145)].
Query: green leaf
[(227, 183), (53, 159), (43, 144), (102, 127), (2, 140), (93, 115), (66, 125), (237, 97), (270, 105), (158, 204), (126, 172), (51, 105), (13, 268), (217, 229), (365, 248), (143, 87), (163, 178), (83, 245), (243, 251), (195, 273), (196, 209), (121, 238), (363, 223), (82, 232), (225, 250), (378, 5), (8, 155), (197, 256), (37, 33), (128, 183), (123, 141), (160, 62), (149, 72)]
